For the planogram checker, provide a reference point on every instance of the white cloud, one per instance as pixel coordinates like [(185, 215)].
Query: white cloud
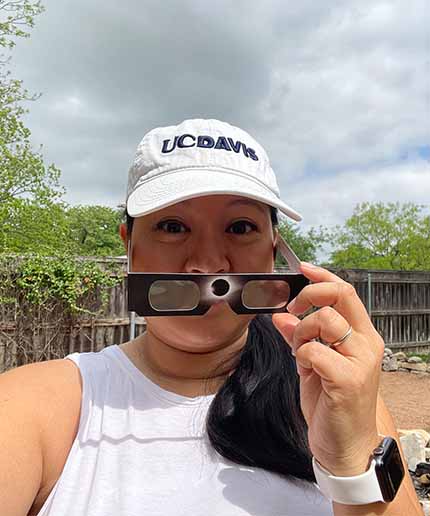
[(330, 200), (335, 91)]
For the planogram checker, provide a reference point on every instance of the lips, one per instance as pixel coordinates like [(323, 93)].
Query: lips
[(216, 307)]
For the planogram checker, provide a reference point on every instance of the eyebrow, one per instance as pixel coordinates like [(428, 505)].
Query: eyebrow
[(248, 202), (245, 201)]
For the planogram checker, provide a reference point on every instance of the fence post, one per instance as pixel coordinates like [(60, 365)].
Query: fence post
[(369, 293), (132, 325)]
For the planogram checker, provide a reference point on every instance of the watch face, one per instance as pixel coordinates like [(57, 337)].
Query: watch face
[(389, 469)]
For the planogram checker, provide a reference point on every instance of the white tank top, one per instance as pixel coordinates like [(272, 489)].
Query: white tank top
[(142, 451)]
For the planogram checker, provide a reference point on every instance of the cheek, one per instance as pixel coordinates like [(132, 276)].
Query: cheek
[(255, 259), (154, 258)]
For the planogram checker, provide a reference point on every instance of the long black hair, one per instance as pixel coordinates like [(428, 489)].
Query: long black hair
[(255, 418)]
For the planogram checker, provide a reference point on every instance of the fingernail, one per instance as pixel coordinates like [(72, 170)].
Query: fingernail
[(309, 265), (291, 304)]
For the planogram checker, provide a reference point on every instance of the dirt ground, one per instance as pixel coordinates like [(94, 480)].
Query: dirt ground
[(407, 396)]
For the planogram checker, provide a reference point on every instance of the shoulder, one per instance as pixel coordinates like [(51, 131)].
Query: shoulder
[(57, 394), (48, 396), (44, 385)]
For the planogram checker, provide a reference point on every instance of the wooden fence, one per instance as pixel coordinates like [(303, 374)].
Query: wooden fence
[(49, 341), (399, 304)]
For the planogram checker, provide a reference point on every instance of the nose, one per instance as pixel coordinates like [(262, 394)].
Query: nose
[(207, 255)]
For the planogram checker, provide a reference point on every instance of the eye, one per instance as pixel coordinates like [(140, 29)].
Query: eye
[(240, 226), (171, 226)]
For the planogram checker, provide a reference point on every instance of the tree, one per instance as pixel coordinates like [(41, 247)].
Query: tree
[(31, 227), (383, 236), (19, 15), (24, 177), (305, 245), (93, 230), (58, 228), (22, 171)]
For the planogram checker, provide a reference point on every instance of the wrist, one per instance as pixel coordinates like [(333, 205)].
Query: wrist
[(352, 464), (347, 470), (379, 483)]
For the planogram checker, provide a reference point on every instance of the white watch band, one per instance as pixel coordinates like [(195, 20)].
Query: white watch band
[(359, 490)]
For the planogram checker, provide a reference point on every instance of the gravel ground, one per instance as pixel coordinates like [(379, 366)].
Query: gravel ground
[(407, 396)]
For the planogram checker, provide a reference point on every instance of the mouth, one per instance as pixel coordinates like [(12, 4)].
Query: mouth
[(217, 307)]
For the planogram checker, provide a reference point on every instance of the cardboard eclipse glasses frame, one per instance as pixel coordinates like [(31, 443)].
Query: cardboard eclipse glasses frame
[(182, 294)]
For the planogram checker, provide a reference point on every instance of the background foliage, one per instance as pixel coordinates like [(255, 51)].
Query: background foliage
[(34, 219), (44, 299), (383, 236), (26, 183), (306, 245)]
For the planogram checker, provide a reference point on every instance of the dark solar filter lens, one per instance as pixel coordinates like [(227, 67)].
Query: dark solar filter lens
[(266, 294), (174, 295), (185, 295)]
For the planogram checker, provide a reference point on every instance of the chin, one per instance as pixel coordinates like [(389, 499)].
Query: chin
[(200, 333)]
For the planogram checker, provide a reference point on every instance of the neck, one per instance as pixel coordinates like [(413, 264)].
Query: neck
[(186, 373)]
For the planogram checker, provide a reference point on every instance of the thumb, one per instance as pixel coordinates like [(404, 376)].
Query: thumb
[(285, 323)]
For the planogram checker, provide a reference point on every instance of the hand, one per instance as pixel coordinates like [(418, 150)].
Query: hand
[(339, 385)]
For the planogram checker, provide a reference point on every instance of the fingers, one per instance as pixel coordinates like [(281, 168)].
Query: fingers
[(285, 323), (325, 324), (339, 308), (318, 273), (330, 326), (330, 366), (336, 293)]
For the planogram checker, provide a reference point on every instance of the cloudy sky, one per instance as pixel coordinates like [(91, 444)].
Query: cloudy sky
[(338, 92)]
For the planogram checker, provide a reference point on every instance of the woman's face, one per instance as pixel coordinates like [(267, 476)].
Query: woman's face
[(210, 234)]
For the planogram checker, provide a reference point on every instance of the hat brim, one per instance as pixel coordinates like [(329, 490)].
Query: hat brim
[(175, 186)]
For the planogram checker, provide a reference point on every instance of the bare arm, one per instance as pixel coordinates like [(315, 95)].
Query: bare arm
[(21, 465)]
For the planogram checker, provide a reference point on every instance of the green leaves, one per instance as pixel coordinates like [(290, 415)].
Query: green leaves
[(23, 172), (28, 226), (93, 230), (81, 287), (391, 236), (16, 17), (305, 245), (383, 236), (44, 228), (29, 189)]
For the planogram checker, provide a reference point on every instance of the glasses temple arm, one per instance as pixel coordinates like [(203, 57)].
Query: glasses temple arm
[(286, 251), (129, 257)]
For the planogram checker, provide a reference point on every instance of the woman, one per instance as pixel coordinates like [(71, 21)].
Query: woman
[(206, 415)]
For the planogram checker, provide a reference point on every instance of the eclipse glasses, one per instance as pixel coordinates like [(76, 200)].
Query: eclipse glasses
[(170, 294)]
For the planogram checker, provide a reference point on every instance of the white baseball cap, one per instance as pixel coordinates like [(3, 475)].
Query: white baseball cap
[(200, 157)]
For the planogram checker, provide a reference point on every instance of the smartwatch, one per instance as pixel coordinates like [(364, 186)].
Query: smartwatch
[(379, 483)]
